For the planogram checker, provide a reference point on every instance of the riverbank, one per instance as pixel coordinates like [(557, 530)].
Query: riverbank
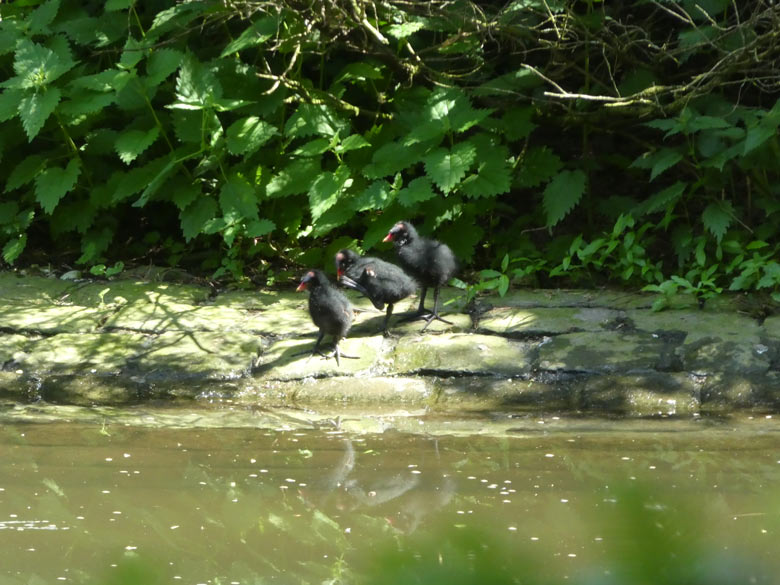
[(130, 341)]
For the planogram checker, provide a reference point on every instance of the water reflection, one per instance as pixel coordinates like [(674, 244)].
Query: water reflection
[(238, 505)]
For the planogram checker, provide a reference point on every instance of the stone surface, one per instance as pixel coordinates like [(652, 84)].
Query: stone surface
[(128, 341), (602, 352), (462, 353)]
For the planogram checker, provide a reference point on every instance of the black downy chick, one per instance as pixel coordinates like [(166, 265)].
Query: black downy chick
[(381, 282), (430, 262), (329, 309)]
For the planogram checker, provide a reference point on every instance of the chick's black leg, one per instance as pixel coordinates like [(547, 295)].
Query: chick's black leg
[(435, 314), (420, 309), (385, 330)]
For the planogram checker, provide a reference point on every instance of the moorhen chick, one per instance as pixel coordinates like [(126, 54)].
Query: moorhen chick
[(430, 262), (329, 309), (380, 281)]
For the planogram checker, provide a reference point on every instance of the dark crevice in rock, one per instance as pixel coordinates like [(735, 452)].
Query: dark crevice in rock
[(28, 332)]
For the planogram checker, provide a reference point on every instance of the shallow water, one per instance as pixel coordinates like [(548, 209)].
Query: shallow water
[(246, 505)]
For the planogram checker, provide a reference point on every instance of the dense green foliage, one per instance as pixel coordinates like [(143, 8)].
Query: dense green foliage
[(552, 141)]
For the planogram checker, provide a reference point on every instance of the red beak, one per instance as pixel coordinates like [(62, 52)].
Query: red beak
[(339, 272), (388, 238), (301, 287)]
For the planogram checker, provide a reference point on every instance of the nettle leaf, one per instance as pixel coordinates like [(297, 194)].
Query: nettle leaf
[(25, 172), (9, 103), (562, 194), (538, 165), (326, 189), (493, 176), (657, 161), (35, 109), (117, 5), (336, 216), (452, 109), (717, 217), (377, 195), (401, 31), (195, 217), (419, 190), (14, 247), (394, 157), (131, 143), (162, 63), (52, 184), (40, 18), (516, 123), (245, 136), (662, 199), (360, 71), (197, 86), (259, 228), (352, 142), (295, 178), (446, 167), (82, 102), (256, 34), (105, 81), (35, 67), (237, 199), (757, 135), (314, 119), (313, 147)]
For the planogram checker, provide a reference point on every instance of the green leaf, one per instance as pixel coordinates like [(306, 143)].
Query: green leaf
[(401, 31), (336, 216), (85, 102), (516, 123), (94, 243), (562, 194), (419, 190), (376, 196), (132, 143), (25, 172), (326, 189), (352, 142), (196, 85), (295, 178), (538, 165), (657, 161), (717, 217), (259, 228), (757, 135), (237, 199), (9, 103), (14, 247), (256, 34), (245, 136), (313, 147), (117, 5), (662, 199), (161, 64), (493, 176), (40, 19), (314, 119), (52, 184), (36, 108), (393, 157), (447, 167), (360, 71), (195, 216), (35, 67)]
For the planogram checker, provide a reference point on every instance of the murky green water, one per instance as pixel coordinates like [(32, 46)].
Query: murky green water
[(253, 506)]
